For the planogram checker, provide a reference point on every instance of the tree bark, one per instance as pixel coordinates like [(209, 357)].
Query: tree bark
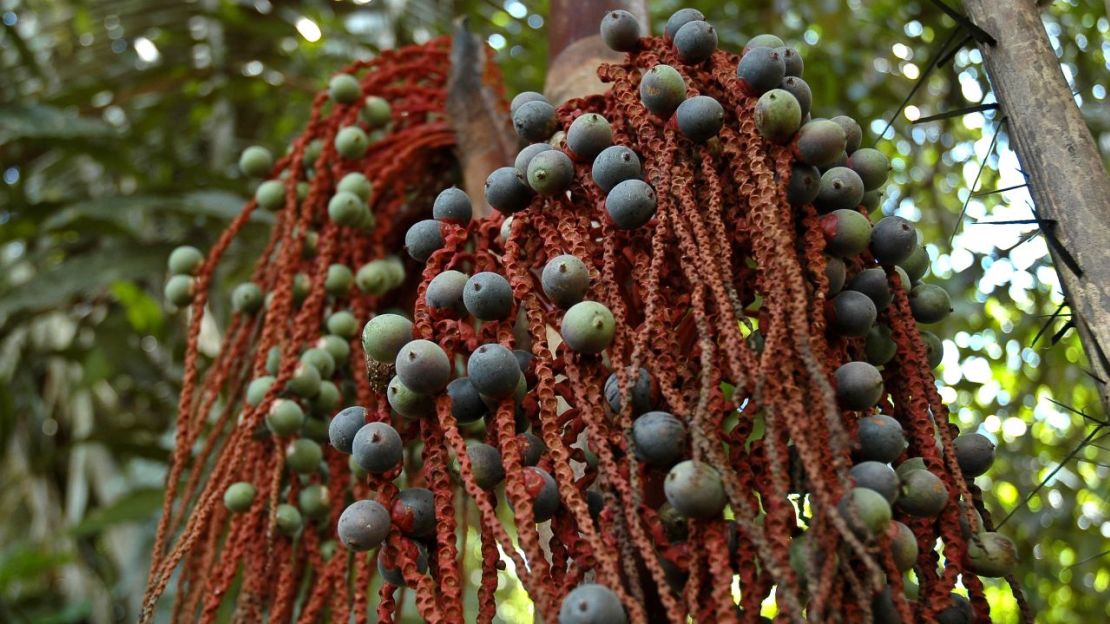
[(1066, 175), (575, 48)]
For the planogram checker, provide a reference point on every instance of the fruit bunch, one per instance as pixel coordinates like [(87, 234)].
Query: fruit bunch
[(678, 351)]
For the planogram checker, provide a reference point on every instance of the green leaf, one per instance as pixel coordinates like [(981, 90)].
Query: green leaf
[(39, 121), (136, 506), (28, 561), (143, 312)]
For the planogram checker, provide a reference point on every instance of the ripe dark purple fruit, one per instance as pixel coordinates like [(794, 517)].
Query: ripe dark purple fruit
[(835, 272), (820, 143), (923, 494), (959, 612), (363, 525), (792, 60), (695, 490), (841, 189), (523, 98), (678, 19), (662, 89), (620, 31), (879, 347), (592, 604), (660, 439), (762, 41), (588, 135), (853, 314), (531, 448), (880, 438), (507, 190), (414, 512), (800, 90), (534, 121), (488, 296), (760, 70), (893, 240), (631, 204), (929, 303), (778, 115), (377, 448), (344, 426), (485, 461), (452, 205), (466, 402), (872, 166), (876, 476), (695, 41), (847, 233), (493, 370), (974, 453), (991, 554), (858, 385), (614, 165), (541, 486), (700, 118), (550, 173), (393, 575), (873, 283), (408, 402), (588, 327), (423, 366), (525, 156), (934, 348), (866, 511), (644, 392), (805, 181), (445, 291), (423, 239), (853, 134), (565, 280)]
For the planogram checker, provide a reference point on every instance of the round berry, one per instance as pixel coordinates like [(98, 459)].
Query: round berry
[(344, 426), (859, 385), (957, 612), (678, 19), (303, 456), (357, 184), (246, 298), (805, 181), (550, 173), (695, 490), (488, 296), (903, 545), (841, 188), (876, 476), (445, 291), (588, 327), (523, 98), (893, 239), (452, 206), (800, 90), (494, 371), (700, 118), (592, 604), (270, 195), (866, 511), (620, 31), (507, 190), (423, 239), (916, 265), (423, 366), (407, 402), (879, 347), (934, 348), (363, 525), (180, 290), (853, 134), (525, 156), (485, 461), (631, 204), (760, 70), (565, 280), (872, 166), (376, 111), (923, 494), (847, 233), (344, 88), (351, 142), (541, 486), (531, 448), (185, 260), (378, 277), (377, 448), (314, 502), (588, 135), (662, 89), (875, 284), (763, 41), (384, 335), (342, 323), (880, 438), (660, 439), (414, 512), (393, 574), (338, 280), (257, 390), (695, 41), (778, 115), (345, 208), (991, 554), (239, 496), (974, 453), (289, 520), (467, 405), (325, 400), (256, 161), (853, 314), (614, 165), (791, 60), (534, 121), (929, 303), (835, 273), (285, 417), (820, 143)]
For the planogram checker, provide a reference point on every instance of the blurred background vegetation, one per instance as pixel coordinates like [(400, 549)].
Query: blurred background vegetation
[(120, 123)]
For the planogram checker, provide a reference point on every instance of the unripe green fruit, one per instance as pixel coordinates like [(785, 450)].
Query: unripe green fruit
[(303, 456), (270, 195), (695, 490), (345, 208), (778, 115), (991, 554), (820, 143), (321, 360), (311, 239), (835, 272), (872, 166), (375, 277), (285, 417), (912, 463), (312, 153), (338, 280), (339, 348), (929, 303), (256, 161), (239, 496), (314, 429), (588, 327), (871, 512), (351, 142), (313, 501), (344, 89), (185, 260), (934, 348), (550, 173), (384, 335), (326, 399), (903, 545), (357, 184), (923, 494), (273, 360), (847, 233), (305, 381), (376, 111), (762, 41), (343, 324), (407, 402), (587, 136), (246, 298), (879, 346), (301, 285), (289, 520), (917, 264), (257, 390), (180, 290), (871, 200), (662, 89)]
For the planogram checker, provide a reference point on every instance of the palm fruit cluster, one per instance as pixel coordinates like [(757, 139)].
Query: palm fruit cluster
[(678, 351)]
